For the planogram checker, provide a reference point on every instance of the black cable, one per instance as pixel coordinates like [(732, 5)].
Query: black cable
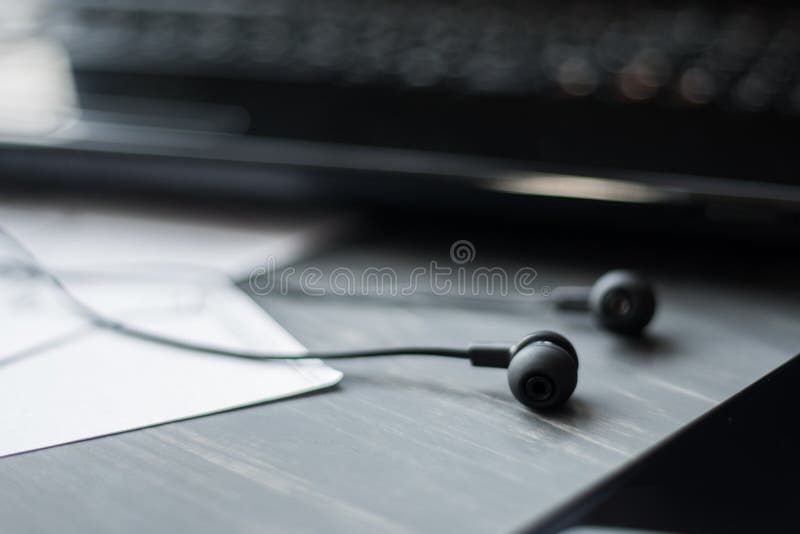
[(262, 356), (32, 267)]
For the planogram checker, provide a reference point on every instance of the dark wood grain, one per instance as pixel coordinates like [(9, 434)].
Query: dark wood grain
[(415, 444)]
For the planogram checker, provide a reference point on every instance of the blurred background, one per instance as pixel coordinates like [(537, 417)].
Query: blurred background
[(679, 114)]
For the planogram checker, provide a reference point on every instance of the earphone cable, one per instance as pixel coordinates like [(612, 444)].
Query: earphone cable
[(32, 266), (253, 355)]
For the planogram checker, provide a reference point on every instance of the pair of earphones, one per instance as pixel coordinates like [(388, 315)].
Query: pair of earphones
[(542, 368)]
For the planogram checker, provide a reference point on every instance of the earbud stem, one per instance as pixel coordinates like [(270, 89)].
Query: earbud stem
[(490, 355), (571, 298)]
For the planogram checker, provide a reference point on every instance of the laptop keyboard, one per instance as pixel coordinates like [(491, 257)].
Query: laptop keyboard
[(739, 57)]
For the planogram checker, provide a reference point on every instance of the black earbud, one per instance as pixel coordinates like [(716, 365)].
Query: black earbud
[(543, 371), (620, 301), (542, 368)]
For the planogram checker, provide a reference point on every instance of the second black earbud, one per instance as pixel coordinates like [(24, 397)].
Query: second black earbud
[(620, 301)]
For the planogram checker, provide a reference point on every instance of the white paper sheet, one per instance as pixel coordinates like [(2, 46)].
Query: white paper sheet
[(77, 382), (100, 382)]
